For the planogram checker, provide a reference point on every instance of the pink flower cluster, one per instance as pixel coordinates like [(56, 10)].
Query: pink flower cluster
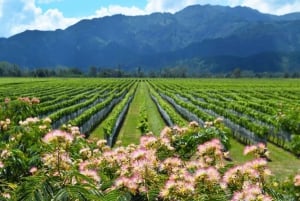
[(180, 130), (254, 172), (33, 170), (209, 124), (58, 136), (85, 152), (58, 161), (29, 121), (251, 193), (47, 120), (90, 169), (29, 101), (4, 124), (186, 178), (93, 174), (179, 186), (259, 150), (210, 153), (172, 165), (7, 100), (5, 154), (139, 168), (1, 165), (193, 124), (297, 180), (148, 141)]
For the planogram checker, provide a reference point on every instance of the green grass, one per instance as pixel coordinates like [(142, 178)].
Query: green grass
[(156, 123), (129, 132), (236, 152), (283, 164), (98, 132)]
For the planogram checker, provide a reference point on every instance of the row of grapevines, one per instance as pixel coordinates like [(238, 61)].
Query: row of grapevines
[(86, 115), (112, 123), (174, 116)]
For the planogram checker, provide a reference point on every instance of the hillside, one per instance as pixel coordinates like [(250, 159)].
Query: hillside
[(214, 38)]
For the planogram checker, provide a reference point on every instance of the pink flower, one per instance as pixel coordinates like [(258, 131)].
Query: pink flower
[(6, 195), (58, 135), (210, 174), (206, 147), (219, 120), (92, 174), (250, 193), (35, 100), (7, 121), (171, 164), (85, 152), (139, 153), (213, 174), (250, 149), (33, 170), (25, 99), (166, 132), (193, 124), (5, 154), (1, 164), (42, 127), (178, 187), (101, 143), (297, 180), (208, 124), (131, 183), (261, 146), (6, 100), (148, 141), (75, 130), (166, 142), (58, 158), (47, 120)]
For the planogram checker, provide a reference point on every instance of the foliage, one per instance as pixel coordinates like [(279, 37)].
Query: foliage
[(289, 119), (183, 163), (295, 144), (186, 140), (143, 124)]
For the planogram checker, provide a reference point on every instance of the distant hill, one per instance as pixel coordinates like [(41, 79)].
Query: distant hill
[(211, 38)]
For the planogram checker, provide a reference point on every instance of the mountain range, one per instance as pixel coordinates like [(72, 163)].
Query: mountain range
[(202, 38)]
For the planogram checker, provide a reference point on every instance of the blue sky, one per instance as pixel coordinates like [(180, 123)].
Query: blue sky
[(19, 15), (76, 8)]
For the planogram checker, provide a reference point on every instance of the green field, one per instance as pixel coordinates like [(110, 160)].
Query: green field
[(253, 104)]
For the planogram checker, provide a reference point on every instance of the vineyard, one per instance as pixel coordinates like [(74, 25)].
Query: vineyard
[(91, 139)]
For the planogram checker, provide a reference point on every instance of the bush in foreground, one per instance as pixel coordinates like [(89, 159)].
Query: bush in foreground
[(183, 163)]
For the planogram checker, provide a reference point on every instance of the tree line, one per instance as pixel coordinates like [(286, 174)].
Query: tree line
[(13, 70)]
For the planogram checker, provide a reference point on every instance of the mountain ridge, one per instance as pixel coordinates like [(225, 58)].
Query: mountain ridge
[(163, 39)]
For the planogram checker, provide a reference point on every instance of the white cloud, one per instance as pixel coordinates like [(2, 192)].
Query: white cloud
[(260, 5), (116, 9), (289, 8), (19, 15), (1, 8), (277, 7), (170, 5), (50, 20), (47, 1)]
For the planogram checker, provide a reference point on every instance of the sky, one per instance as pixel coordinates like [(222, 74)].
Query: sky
[(19, 15)]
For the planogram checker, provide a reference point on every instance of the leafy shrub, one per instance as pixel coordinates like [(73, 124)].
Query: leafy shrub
[(183, 163)]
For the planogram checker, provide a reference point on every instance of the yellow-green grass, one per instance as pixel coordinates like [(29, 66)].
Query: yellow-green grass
[(130, 133), (98, 132), (283, 164)]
